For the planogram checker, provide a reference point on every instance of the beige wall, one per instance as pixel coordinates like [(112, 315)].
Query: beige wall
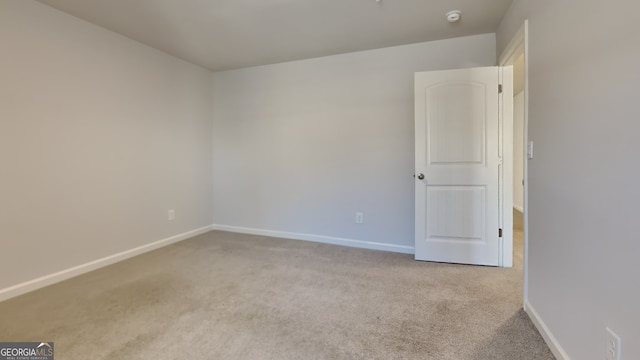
[(518, 75), (99, 137), (518, 150), (583, 181), (301, 146)]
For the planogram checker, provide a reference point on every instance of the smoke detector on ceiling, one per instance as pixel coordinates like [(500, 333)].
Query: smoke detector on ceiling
[(453, 16)]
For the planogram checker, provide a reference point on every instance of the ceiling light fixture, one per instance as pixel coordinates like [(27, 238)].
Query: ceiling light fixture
[(453, 16)]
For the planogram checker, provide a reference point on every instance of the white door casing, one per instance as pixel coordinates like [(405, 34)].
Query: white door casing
[(457, 116)]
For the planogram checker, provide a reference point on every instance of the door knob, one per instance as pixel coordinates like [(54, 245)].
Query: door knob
[(420, 176)]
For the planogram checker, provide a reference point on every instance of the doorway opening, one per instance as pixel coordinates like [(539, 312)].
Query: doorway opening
[(516, 56), (518, 161)]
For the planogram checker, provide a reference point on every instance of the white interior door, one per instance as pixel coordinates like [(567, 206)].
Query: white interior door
[(457, 166)]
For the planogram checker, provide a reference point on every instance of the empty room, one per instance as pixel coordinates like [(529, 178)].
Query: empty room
[(319, 179)]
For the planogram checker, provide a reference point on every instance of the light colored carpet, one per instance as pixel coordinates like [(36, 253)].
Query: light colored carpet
[(232, 296)]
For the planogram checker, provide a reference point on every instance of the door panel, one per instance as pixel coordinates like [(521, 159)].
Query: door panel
[(457, 123), (457, 213), (456, 129)]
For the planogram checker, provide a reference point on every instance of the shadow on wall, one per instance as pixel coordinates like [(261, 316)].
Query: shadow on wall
[(515, 339)]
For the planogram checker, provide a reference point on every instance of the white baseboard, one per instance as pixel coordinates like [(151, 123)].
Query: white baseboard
[(46, 280), (548, 337), (519, 208), (319, 238)]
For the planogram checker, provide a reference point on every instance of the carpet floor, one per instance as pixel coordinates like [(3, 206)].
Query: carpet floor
[(231, 296)]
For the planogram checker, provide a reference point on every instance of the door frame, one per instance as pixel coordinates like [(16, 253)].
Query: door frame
[(519, 45), (505, 172)]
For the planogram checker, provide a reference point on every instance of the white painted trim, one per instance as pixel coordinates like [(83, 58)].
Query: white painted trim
[(318, 238), (515, 47), (506, 168), (519, 208), (525, 174), (50, 279), (548, 337)]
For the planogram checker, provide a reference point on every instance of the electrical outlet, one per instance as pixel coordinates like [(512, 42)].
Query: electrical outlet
[(613, 346), (171, 215), (359, 218)]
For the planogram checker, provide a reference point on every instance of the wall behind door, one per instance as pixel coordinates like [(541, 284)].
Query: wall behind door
[(518, 151), (300, 147)]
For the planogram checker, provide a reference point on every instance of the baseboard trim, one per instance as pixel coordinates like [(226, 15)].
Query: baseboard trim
[(548, 337), (319, 238), (50, 279)]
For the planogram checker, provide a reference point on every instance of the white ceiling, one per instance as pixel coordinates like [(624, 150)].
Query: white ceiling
[(228, 34)]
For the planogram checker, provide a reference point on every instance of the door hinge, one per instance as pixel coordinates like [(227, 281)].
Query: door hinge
[(499, 88), (499, 233)]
